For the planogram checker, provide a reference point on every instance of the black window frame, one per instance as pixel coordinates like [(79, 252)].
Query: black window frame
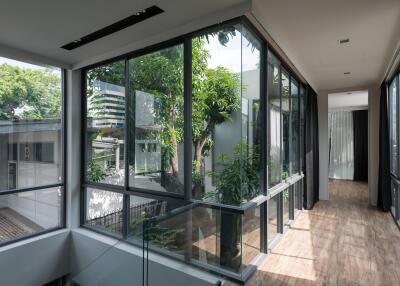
[(62, 184), (265, 195)]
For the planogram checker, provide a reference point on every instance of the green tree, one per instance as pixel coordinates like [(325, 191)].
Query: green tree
[(161, 74), (29, 94), (215, 93), (215, 99)]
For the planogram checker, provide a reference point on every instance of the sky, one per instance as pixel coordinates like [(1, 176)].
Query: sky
[(229, 56), (20, 64)]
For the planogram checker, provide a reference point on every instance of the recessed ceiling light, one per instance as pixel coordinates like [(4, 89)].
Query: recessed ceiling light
[(344, 41), (347, 73)]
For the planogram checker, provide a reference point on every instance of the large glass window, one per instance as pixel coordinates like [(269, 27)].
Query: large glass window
[(155, 150), (393, 113), (274, 122), (31, 147), (225, 115), (302, 128), (105, 124), (294, 126), (104, 210), (137, 141), (285, 123)]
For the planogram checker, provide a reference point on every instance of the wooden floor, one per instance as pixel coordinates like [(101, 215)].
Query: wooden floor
[(340, 242)]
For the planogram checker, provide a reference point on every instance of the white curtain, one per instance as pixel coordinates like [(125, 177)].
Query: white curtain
[(341, 155)]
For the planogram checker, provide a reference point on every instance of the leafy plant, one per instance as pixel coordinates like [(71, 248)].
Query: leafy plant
[(94, 171), (150, 230), (239, 179)]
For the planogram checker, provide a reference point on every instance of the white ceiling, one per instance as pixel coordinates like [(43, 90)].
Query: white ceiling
[(348, 100), (308, 32), (42, 27)]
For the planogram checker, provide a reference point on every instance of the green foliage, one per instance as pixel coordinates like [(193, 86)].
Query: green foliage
[(285, 195), (94, 172), (29, 94), (239, 179), (150, 230), (215, 93), (197, 178)]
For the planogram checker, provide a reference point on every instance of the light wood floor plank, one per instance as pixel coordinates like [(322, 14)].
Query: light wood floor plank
[(342, 241)]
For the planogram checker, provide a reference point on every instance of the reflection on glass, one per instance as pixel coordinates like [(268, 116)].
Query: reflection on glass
[(294, 136), (225, 115), (225, 239), (394, 198), (272, 218), (251, 235), (104, 210), (297, 195), (393, 105), (302, 126), (286, 122), (105, 124), (150, 219), (30, 125), (156, 152), (285, 198), (274, 122), (27, 213), (206, 235)]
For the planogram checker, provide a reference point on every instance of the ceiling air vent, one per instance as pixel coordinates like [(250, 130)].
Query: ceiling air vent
[(118, 26), (344, 41), (347, 73)]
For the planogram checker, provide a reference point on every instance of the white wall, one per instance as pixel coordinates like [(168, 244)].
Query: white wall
[(98, 260), (373, 141), (35, 261), (323, 145)]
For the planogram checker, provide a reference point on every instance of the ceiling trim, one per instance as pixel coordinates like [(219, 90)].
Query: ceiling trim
[(31, 58), (194, 25), (393, 65)]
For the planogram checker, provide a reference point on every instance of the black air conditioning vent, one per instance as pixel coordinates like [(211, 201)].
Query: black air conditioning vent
[(118, 26)]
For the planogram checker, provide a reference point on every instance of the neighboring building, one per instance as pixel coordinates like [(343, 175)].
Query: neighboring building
[(30, 155), (106, 109)]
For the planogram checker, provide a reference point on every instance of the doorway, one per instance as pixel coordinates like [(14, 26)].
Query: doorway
[(348, 136)]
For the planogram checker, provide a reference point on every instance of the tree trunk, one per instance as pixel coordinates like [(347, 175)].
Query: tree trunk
[(198, 189), (198, 146), (174, 158)]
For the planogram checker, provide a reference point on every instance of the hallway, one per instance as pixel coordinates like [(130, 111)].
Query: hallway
[(339, 242)]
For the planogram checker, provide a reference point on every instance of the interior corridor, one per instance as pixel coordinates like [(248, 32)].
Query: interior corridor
[(342, 241)]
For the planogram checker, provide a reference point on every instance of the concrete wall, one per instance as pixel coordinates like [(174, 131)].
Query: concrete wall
[(35, 261), (373, 141), (98, 260)]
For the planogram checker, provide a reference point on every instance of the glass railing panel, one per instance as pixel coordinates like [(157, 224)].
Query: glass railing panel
[(219, 239), (250, 235), (272, 219), (285, 198)]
